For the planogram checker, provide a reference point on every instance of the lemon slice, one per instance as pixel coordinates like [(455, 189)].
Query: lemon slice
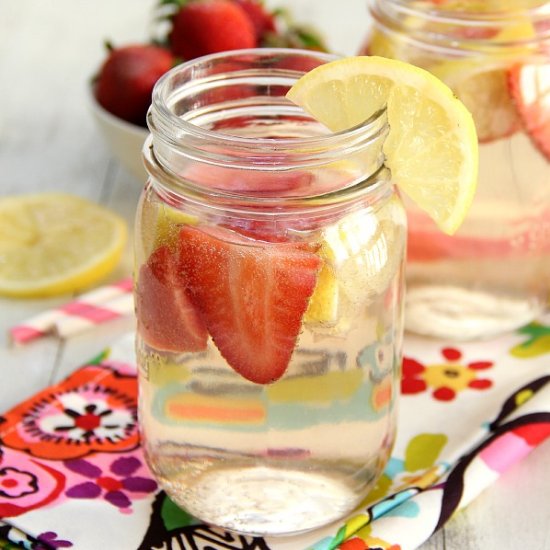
[(360, 254), (54, 243), (169, 222), (431, 147), (159, 224), (484, 90), (323, 305)]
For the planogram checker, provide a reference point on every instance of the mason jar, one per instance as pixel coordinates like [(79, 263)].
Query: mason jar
[(269, 290), (493, 275)]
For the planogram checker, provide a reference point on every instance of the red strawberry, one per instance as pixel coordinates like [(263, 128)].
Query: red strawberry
[(201, 27), (126, 79), (530, 89), (252, 296), (262, 19), (167, 320)]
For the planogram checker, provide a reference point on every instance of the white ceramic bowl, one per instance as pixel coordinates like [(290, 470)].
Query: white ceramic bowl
[(125, 140)]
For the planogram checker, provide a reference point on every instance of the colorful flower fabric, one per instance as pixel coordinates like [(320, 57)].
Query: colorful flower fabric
[(95, 409), (446, 379), (27, 483), (117, 480), (73, 475)]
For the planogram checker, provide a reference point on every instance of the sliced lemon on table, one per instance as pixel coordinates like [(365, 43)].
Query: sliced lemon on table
[(431, 148), (55, 243)]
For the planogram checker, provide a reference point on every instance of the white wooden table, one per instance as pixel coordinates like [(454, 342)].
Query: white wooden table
[(48, 141)]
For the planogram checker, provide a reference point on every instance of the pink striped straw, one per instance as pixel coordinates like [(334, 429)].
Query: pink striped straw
[(90, 309)]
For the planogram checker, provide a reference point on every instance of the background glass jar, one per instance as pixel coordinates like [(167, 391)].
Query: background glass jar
[(494, 274), (269, 265)]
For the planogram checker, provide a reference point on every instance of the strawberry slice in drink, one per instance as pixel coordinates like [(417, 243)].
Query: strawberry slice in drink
[(167, 320), (251, 295), (530, 89)]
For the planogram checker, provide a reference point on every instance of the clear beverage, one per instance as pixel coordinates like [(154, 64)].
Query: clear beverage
[(269, 302), (492, 276)]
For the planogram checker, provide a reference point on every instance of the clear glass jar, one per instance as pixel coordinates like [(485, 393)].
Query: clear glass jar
[(493, 275), (269, 267)]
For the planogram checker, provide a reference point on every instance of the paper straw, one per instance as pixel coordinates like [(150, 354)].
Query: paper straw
[(91, 315), (92, 308)]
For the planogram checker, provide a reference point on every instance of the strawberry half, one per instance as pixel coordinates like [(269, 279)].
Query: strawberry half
[(530, 89), (167, 320), (251, 295)]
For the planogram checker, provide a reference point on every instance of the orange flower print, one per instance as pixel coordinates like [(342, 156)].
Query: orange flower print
[(95, 409), (445, 380)]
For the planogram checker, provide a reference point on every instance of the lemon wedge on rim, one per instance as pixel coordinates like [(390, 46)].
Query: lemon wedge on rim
[(431, 148), (55, 243)]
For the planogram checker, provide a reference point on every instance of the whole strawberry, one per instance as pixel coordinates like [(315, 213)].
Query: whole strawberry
[(125, 81), (262, 19), (201, 27)]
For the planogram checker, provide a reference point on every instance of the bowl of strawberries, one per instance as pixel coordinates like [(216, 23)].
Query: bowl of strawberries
[(122, 87)]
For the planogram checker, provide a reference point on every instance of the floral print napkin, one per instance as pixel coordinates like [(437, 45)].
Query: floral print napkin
[(72, 474)]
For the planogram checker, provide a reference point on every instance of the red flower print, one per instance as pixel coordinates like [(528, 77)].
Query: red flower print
[(446, 380), (15, 483), (533, 434), (26, 483), (83, 420), (95, 409), (117, 482), (412, 382)]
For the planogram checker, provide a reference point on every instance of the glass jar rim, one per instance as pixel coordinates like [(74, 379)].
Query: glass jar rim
[(161, 118), (175, 140), (396, 17), (171, 187), (442, 14)]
